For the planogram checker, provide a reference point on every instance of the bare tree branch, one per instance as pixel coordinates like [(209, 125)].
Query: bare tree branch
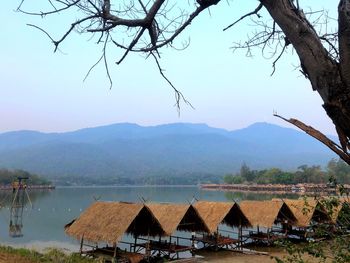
[(320, 137), (178, 94), (255, 12)]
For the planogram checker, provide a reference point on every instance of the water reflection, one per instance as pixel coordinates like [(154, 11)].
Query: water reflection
[(16, 200), (6, 197), (19, 195)]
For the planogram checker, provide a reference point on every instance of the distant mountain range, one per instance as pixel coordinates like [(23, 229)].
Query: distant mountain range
[(179, 149)]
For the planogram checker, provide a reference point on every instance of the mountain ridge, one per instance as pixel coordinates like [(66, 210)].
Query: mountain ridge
[(175, 149)]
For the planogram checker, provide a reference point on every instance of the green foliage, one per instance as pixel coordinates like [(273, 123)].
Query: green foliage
[(156, 179), (8, 176), (330, 243), (52, 255), (338, 170)]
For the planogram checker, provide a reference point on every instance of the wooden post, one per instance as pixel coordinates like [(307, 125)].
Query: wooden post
[(115, 252), (217, 239), (193, 234), (241, 235), (81, 245), (135, 242)]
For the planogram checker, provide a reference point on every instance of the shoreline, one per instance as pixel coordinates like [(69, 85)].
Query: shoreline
[(29, 187), (300, 189)]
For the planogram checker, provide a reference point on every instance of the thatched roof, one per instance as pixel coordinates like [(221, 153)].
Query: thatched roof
[(215, 213), (174, 217), (266, 213), (109, 221), (306, 211)]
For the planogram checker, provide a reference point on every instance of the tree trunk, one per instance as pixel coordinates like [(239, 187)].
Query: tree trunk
[(330, 78)]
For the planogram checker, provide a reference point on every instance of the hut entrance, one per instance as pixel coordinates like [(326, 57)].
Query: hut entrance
[(172, 218)]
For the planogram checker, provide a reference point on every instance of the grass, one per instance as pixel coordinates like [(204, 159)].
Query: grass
[(51, 255)]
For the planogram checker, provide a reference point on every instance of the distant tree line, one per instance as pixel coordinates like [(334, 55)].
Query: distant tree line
[(9, 176), (156, 179), (336, 171)]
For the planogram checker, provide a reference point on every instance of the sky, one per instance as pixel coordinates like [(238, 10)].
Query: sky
[(42, 90)]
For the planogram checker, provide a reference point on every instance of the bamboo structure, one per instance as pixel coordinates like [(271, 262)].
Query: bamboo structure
[(264, 215), (108, 222), (153, 225), (216, 213)]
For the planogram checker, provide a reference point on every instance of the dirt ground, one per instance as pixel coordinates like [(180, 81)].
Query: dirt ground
[(208, 257), (234, 257), (10, 258)]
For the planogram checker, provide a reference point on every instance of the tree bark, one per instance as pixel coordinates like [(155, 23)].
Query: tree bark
[(328, 77)]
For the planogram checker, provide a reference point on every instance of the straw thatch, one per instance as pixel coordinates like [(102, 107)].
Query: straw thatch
[(109, 221), (266, 213), (174, 217), (215, 213), (306, 211)]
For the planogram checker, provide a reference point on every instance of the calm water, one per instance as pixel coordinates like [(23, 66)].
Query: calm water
[(43, 225)]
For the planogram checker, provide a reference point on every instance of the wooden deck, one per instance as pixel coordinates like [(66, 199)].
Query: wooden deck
[(107, 253), (217, 242), (264, 238), (163, 248)]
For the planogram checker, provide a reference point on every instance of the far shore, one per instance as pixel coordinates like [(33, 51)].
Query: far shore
[(276, 188), (37, 187)]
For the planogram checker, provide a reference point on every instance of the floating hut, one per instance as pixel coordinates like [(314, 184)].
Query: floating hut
[(216, 213), (180, 217), (267, 215), (174, 217), (308, 213), (108, 222)]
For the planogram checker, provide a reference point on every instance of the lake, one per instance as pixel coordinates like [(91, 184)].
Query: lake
[(43, 224)]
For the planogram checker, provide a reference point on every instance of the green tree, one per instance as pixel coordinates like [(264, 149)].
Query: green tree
[(269, 176), (339, 170), (313, 174), (228, 179)]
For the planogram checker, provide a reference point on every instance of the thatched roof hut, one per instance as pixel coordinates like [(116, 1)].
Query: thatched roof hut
[(174, 217), (306, 211), (109, 221), (266, 213), (215, 213), (335, 207)]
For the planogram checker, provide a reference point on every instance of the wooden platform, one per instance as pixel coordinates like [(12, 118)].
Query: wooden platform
[(108, 252), (218, 242), (267, 238), (163, 248)]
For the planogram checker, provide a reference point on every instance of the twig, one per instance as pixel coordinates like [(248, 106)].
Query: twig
[(255, 12), (178, 94)]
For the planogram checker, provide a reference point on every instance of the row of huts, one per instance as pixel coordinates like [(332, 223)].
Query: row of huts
[(152, 226)]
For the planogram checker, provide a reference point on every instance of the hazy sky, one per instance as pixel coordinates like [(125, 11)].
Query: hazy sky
[(42, 90)]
